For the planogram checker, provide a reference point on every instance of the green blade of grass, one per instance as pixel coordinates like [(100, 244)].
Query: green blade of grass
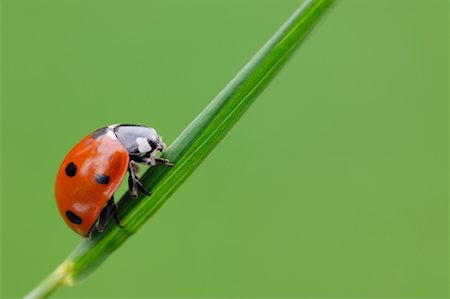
[(190, 148)]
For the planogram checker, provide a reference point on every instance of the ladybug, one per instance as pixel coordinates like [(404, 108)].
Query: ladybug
[(93, 170)]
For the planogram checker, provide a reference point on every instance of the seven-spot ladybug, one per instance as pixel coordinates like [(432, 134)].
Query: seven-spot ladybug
[(94, 169)]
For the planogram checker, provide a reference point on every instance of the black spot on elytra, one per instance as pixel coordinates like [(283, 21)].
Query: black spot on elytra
[(74, 218), (71, 169), (99, 132), (100, 178)]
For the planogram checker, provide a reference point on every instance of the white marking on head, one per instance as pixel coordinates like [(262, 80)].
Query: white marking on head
[(143, 146), (110, 131), (111, 134)]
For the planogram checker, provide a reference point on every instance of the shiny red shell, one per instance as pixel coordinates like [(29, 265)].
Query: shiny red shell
[(88, 178)]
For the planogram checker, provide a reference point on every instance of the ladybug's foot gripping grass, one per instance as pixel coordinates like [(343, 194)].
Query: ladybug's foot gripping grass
[(151, 161), (110, 210), (164, 162), (142, 188), (133, 181)]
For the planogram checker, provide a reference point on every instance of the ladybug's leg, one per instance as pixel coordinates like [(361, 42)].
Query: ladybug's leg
[(105, 215), (115, 213), (164, 162), (133, 181), (153, 161), (142, 188), (110, 210), (132, 185)]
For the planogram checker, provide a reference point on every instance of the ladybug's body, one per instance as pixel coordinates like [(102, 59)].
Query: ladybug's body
[(94, 169)]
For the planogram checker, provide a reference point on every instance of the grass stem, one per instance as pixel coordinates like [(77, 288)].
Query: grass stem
[(190, 148)]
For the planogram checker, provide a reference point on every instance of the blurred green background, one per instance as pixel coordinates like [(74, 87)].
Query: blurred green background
[(334, 184)]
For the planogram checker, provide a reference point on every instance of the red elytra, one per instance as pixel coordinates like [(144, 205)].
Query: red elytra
[(93, 170)]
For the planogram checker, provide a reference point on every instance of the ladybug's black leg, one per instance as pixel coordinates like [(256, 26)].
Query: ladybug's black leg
[(105, 215), (133, 181), (153, 161), (132, 185), (110, 210), (115, 214), (164, 162), (142, 188)]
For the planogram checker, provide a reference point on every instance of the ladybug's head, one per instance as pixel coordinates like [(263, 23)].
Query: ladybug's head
[(156, 143), (139, 140)]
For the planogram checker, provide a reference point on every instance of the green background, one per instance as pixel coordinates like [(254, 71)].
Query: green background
[(334, 183)]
